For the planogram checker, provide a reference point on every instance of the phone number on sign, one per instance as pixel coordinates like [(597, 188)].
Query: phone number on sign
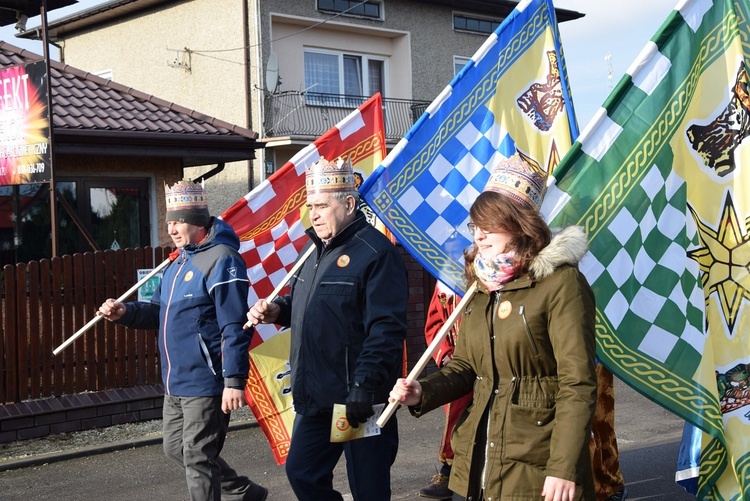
[(36, 168)]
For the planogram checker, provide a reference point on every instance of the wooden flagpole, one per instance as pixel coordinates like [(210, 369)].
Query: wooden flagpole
[(427, 355), (96, 318), (288, 277)]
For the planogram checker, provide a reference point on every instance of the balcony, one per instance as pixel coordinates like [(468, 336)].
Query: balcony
[(308, 115)]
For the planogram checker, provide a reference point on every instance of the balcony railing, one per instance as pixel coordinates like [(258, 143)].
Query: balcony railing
[(308, 115)]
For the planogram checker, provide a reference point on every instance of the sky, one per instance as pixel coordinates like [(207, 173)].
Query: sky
[(620, 28)]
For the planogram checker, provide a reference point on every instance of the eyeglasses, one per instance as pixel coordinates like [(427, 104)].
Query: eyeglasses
[(473, 229)]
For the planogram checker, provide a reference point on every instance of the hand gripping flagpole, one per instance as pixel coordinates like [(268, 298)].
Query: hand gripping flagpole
[(427, 355), (288, 277), (94, 320)]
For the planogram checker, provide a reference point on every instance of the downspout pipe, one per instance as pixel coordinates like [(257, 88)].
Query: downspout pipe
[(248, 85)]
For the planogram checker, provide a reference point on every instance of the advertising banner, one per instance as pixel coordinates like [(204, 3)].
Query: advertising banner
[(24, 125)]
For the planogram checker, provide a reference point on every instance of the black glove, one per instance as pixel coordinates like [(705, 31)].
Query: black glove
[(359, 405)]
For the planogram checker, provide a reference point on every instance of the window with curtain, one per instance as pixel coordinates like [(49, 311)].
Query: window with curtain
[(341, 79)]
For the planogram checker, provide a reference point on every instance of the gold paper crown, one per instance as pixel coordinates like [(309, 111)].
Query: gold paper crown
[(187, 203), (330, 176), (516, 179)]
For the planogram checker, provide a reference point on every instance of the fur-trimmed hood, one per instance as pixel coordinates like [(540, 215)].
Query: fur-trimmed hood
[(568, 246)]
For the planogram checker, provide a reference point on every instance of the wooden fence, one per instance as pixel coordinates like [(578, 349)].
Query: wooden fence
[(46, 302)]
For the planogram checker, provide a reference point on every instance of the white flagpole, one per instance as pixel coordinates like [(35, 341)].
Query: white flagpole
[(288, 277), (96, 318), (427, 355)]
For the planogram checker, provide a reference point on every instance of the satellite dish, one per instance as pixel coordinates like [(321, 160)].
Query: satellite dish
[(272, 73)]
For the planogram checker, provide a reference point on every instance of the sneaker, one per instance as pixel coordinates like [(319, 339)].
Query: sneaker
[(437, 489), (620, 495)]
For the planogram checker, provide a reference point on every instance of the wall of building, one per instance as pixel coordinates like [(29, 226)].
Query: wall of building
[(434, 42), (431, 42), (388, 44), (148, 53)]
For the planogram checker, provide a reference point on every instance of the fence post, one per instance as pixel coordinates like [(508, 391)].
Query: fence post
[(22, 340), (35, 369), (45, 334), (10, 375), (68, 323), (58, 323)]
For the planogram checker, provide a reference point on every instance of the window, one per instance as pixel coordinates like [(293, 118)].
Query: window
[(114, 211), (474, 24), (369, 9), (458, 63), (339, 79)]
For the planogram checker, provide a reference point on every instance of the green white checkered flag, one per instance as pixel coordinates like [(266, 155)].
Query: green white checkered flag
[(658, 182)]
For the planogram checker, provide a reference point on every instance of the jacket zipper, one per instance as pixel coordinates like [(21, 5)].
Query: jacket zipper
[(493, 311), (309, 295), (346, 368), (164, 327)]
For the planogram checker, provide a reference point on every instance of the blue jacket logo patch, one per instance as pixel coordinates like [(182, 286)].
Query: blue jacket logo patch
[(232, 271)]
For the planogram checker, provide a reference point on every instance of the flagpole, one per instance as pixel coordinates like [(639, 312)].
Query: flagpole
[(288, 277), (427, 355), (291, 273), (96, 318)]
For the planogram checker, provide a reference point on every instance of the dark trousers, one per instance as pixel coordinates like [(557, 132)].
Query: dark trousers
[(312, 458)]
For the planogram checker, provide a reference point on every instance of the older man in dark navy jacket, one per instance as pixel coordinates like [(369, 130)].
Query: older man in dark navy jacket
[(347, 311)]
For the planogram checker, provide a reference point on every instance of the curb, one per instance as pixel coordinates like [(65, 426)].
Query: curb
[(93, 450)]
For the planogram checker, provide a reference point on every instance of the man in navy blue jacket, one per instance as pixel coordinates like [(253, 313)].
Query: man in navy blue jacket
[(347, 311), (199, 309)]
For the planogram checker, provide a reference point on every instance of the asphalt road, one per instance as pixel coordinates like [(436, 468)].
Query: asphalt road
[(648, 437)]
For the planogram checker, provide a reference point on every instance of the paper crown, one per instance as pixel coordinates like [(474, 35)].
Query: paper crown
[(326, 176), (187, 203), (516, 179)]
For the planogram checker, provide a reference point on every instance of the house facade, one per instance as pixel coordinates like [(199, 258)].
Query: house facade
[(289, 69)]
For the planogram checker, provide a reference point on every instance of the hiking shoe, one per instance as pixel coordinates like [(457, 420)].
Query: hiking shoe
[(437, 489), (256, 493), (620, 495)]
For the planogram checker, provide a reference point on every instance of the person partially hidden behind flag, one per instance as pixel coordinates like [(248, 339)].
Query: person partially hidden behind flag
[(605, 455), (199, 308), (442, 304), (347, 312), (526, 349)]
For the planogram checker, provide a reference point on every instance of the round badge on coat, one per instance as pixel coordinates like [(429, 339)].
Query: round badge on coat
[(188, 276), (504, 309), (343, 261)]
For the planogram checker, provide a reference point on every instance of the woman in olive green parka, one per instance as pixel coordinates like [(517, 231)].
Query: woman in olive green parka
[(526, 349)]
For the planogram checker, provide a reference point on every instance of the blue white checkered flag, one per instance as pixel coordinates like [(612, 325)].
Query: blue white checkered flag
[(511, 96)]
